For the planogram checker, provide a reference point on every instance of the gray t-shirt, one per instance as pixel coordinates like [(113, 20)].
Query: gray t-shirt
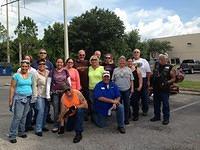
[(122, 78)]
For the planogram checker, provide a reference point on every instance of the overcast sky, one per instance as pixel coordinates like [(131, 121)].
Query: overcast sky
[(153, 18)]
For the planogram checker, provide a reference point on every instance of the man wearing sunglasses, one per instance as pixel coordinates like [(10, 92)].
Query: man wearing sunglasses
[(43, 55), (144, 67)]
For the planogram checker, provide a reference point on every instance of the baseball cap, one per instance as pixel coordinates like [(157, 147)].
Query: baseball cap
[(106, 73)]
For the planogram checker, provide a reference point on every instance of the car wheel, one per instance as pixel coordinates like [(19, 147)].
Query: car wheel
[(191, 70)]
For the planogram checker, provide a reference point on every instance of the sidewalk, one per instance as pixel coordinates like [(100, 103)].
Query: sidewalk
[(5, 80)]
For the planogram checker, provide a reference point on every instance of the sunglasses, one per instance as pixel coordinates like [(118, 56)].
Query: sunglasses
[(108, 57), (41, 63), (26, 62), (43, 53), (93, 59), (81, 55), (136, 52)]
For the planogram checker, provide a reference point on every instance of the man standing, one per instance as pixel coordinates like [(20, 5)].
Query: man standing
[(82, 66), (163, 76), (144, 67), (43, 55), (106, 99), (49, 66)]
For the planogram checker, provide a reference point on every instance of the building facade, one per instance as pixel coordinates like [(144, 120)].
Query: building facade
[(184, 47)]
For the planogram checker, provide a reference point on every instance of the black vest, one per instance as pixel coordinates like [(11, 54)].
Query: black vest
[(161, 74)]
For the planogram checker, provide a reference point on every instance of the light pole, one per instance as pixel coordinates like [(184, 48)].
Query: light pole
[(66, 47), (8, 47), (20, 45)]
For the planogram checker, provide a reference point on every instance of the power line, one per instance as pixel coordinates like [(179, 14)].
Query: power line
[(9, 3)]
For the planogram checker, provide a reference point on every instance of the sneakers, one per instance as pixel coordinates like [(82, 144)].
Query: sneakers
[(154, 119), (121, 130), (45, 129), (54, 130), (38, 133), (77, 138), (13, 141), (29, 129), (165, 122), (126, 122), (61, 130), (23, 136)]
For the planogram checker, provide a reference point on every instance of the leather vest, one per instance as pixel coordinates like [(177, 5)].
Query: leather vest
[(161, 74)]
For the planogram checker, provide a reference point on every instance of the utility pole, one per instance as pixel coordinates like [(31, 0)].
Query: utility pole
[(20, 45), (7, 26), (66, 47)]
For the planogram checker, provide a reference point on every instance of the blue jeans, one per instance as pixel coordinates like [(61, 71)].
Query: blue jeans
[(56, 98), (41, 106), (125, 99), (144, 96), (76, 121), (19, 116), (100, 120), (164, 98), (30, 116)]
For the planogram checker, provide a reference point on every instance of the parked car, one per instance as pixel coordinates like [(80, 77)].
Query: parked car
[(190, 65)]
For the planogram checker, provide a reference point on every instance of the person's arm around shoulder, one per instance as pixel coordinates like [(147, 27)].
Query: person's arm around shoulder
[(12, 91), (82, 100), (140, 80)]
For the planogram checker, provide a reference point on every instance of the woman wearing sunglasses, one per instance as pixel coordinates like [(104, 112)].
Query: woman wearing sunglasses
[(39, 95), (20, 96)]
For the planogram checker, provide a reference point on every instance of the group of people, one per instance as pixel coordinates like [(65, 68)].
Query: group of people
[(81, 89)]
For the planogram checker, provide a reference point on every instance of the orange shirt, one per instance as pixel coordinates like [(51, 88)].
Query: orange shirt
[(75, 100), (75, 79)]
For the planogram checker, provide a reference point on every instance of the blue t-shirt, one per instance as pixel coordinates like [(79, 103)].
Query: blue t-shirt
[(23, 86), (104, 90)]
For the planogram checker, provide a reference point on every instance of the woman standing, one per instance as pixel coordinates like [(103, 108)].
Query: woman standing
[(58, 78), (123, 78), (73, 73), (95, 76), (135, 97), (20, 94), (39, 95)]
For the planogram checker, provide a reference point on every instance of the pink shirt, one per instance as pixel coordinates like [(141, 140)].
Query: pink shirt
[(75, 79)]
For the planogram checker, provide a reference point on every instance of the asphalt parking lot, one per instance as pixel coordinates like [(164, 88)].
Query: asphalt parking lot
[(183, 132)]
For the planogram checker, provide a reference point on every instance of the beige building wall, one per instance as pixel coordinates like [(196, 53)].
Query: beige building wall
[(184, 46)]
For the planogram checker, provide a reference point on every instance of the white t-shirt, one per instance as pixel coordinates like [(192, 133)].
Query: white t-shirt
[(143, 65)]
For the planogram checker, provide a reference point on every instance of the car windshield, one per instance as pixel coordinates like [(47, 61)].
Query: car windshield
[(188, 61)]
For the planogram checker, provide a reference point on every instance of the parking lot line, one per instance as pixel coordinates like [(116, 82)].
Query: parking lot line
[(184, 106)]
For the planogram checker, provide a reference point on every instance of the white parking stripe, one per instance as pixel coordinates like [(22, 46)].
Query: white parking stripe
[(182, 107)]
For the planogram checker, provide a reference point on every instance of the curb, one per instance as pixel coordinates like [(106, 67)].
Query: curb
[(189, 92)]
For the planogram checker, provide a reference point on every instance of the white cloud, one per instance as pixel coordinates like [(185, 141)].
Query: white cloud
[(157, 23)]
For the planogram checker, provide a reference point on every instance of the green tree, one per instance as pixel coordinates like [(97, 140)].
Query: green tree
[(156, 46), (27, 35), (96, 29), (3, 32), (132, 39), (53, 40)]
